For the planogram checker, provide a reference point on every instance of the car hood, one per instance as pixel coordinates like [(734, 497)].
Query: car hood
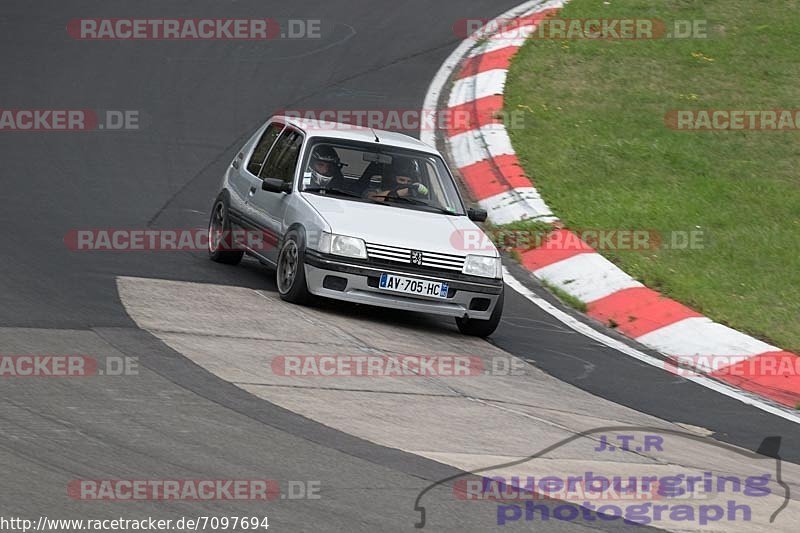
[(406, 228)]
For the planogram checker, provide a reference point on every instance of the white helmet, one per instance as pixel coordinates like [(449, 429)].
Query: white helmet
[(323, 154)]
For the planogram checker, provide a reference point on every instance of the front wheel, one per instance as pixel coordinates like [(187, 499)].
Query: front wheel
[(291, 273), (482, 328), (220, 240)]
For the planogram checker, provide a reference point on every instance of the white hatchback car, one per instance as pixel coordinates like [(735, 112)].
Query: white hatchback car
[(361, 215)]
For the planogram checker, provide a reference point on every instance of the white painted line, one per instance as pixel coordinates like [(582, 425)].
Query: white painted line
[(521, 203), (702, 336), (480, 85), (588, 276), (496, 140), (428, 135), (512, 37), (515, 37), (621, 347), (467, 148), (479, 145)]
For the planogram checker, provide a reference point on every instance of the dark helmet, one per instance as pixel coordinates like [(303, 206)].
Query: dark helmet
[(325, 154), (404, 166)]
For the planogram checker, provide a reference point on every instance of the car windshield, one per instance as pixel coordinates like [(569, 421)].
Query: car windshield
[(391, 176)]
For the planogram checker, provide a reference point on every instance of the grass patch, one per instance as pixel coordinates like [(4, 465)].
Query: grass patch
[(565, 297), (531, 226), (595, 143)]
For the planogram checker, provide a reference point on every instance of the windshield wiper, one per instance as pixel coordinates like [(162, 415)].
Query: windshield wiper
[(415, 201)]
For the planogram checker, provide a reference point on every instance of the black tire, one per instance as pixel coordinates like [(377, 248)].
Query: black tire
[(482, 328), (220, 240), (291, 273)]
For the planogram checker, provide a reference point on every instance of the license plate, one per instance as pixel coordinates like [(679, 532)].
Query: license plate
[(419, 287)]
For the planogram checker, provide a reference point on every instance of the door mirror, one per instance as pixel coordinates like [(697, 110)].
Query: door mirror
[(276, 185), (477, 215)]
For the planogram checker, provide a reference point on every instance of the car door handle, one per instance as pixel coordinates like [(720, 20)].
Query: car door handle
[(252, 190)]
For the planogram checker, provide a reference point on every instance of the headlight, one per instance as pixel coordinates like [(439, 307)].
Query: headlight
[(330, 243), (480, 265)]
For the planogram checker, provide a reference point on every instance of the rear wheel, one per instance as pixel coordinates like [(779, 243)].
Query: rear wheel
[(291, 274), (220, 239), (482, 328)]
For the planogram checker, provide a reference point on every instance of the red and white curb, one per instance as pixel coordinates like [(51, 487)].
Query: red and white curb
[(482, 149), (483, 153)]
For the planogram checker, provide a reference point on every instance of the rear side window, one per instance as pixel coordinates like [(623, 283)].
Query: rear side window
[(262, 148), (282, 161)]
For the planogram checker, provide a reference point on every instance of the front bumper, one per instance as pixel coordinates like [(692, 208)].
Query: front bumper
[(467, 296)]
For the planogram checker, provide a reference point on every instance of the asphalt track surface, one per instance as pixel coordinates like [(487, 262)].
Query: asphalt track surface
[(198, 102)]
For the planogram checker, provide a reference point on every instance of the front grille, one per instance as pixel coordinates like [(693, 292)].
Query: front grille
[(433, 260)]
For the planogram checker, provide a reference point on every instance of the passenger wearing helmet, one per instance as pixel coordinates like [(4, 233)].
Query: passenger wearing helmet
[(404, 179), (324, 166)]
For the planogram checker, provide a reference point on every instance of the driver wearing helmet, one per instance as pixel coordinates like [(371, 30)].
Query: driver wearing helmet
[(404, 179), (324, 166)]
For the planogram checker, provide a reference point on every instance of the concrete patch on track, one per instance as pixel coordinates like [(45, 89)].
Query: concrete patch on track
[(469, 421)]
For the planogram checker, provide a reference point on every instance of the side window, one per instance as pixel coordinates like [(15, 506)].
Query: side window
[(437, 194), (282, 161), (262, 148)]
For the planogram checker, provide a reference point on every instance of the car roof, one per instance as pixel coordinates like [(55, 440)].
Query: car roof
[(338, 130)]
